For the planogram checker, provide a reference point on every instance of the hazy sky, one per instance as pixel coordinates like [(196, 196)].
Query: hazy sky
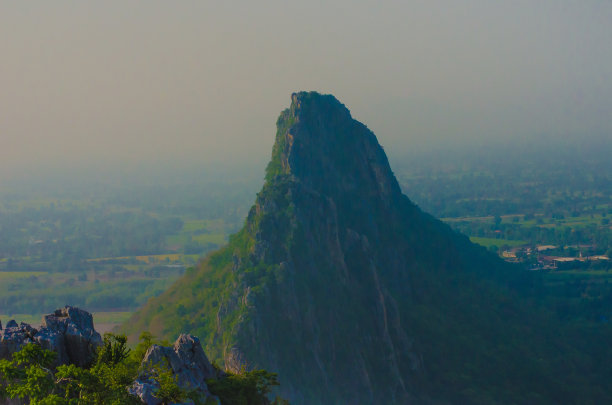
[(85, 82)]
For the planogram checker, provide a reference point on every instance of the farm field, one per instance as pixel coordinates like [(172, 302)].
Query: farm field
[(6, 276), (489, 242), (529, 196), (103, 321), (109, 247)]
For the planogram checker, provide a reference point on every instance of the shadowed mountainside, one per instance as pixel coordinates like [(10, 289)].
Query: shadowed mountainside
[(351, 293)]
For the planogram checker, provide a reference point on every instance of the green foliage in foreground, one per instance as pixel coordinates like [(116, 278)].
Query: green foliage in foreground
[(246, 388), (30, 376)]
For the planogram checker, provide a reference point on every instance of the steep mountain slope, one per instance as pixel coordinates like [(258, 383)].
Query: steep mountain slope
[(355, 296)]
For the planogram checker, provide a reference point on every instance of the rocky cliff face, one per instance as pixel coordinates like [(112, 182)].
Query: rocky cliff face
[(342, 247), (349, 291)]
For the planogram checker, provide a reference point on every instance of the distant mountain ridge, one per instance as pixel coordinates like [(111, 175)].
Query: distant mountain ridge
[(351, 293)]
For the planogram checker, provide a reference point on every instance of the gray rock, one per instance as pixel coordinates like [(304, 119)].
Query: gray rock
[(12, 340), (78, 338), (145, 390), (28, 329), (53, 340), (69, 332), (186, 360), (189, 351)]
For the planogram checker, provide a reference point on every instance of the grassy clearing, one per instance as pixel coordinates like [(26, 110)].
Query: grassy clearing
[(173, 257), (16, 275), (216, 238), (467, 219), (169, 258), (208, 225), (194, 225), (517, 219), (177, 241), (488, 242), (191, 258), (111, 316), (34, 320), (589, 273), (149, 259), (204, 238)]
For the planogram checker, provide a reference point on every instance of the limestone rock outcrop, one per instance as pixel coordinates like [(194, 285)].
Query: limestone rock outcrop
[(69, 332), (187, 362)]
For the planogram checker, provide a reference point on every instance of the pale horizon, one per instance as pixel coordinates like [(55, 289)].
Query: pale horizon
[(128, 83)]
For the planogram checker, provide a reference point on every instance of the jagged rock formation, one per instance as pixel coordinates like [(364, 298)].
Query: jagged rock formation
[(186, 360), (69, 332), (351, 293)]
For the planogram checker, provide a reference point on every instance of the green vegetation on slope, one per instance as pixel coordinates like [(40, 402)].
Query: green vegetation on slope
[(352, 294)]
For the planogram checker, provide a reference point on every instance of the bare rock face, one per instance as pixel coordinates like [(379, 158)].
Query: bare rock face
[(195, 364), (186, 360), (13, 337), (11, 324), (69, 332), (75, 327), (53, 340)]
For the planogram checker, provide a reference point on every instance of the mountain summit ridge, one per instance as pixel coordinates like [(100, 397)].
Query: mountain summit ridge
[(310, 148), (350, 292)]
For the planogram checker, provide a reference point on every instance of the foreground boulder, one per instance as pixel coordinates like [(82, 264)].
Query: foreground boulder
[(69, 332), (185, 360)]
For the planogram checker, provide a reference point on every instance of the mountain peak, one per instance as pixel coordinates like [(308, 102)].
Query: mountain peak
[(350, 292), (321, 145)]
